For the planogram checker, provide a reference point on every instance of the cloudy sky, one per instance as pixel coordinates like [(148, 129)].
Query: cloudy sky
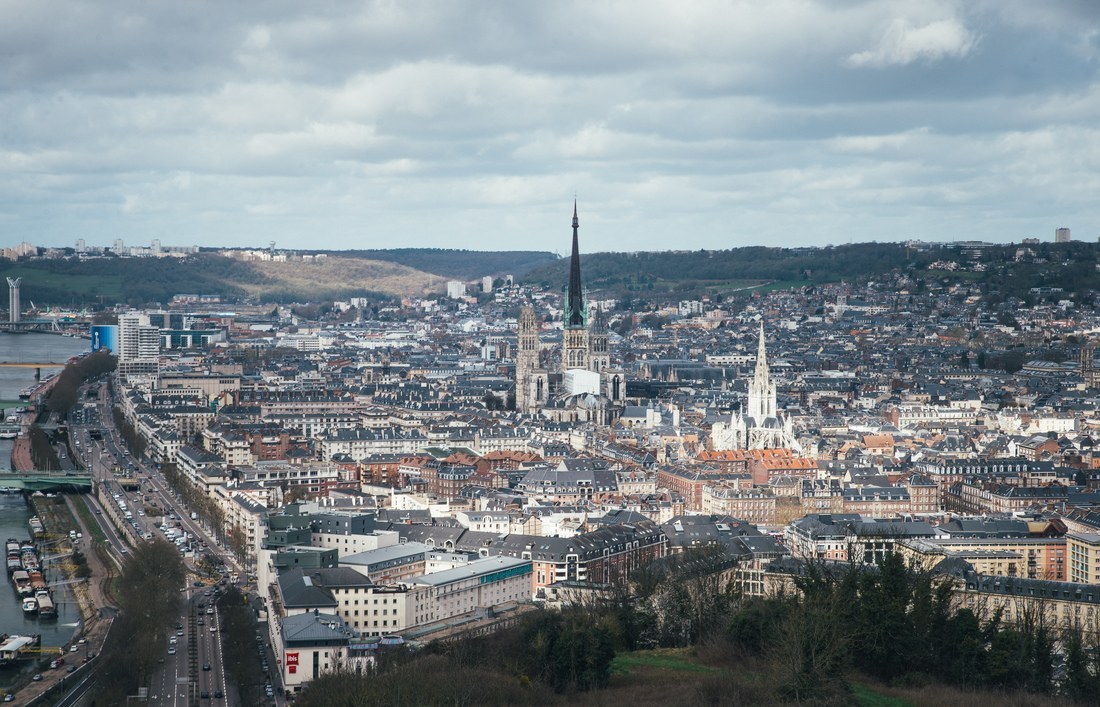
[(679, 124)]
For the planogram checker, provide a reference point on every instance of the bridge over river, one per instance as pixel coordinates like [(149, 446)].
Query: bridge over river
[(45, 481)]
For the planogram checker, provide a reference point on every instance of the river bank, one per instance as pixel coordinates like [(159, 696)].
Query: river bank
[(59, 633)]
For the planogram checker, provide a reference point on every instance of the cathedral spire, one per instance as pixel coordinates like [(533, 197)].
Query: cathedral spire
[(761, 353), (576, 315), (761, 388)]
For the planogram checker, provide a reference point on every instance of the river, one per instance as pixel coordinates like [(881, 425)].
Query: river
[(24, 348), (14, 512), (21, 348)]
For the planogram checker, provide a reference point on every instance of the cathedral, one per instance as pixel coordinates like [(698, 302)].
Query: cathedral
[(759, 426), (586, 388)]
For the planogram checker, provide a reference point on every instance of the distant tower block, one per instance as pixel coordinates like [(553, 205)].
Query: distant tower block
[(14, 307), (1061, 235)]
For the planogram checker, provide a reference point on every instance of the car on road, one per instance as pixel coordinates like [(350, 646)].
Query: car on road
[(218, 694), (205, 667), (172, 650), (37, 677), (213, 629)]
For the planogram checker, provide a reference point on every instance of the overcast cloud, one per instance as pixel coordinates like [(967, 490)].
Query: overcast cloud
[(680, 124)]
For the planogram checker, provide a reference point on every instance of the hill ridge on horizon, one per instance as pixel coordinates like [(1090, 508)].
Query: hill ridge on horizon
[(404, 272)]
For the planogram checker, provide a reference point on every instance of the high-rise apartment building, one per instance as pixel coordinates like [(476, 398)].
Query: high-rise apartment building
[(1061, 235), (138, 345)]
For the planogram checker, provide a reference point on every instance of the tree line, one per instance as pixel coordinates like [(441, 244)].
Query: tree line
[(239, 656), (149, 602), (133, 440), (834, 627), (65, 393), (43, 455)]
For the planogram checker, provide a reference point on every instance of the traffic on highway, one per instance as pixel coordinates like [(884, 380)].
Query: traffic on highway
[(136, 504)]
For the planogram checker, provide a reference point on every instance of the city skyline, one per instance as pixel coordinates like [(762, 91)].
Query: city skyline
[(473, 125)]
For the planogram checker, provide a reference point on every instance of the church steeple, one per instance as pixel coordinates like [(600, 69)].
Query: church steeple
[(576, 313), (761, 355), (762, 403)]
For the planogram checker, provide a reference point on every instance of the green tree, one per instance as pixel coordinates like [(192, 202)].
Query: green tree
[(568, 652), (148, 597)]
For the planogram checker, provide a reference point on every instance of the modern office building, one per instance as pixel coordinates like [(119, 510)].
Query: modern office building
[(138, 345)]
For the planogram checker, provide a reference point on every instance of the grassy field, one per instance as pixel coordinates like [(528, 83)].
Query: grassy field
[(717, 675), (624, 663), (870, 698), (344, 274)]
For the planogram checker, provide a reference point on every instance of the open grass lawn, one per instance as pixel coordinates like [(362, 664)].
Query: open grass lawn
[(716, 676), (682, 677), (667, 659), (870, 694), (868, 697)]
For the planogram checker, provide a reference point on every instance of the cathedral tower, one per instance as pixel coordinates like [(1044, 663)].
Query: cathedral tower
[(532, 385), (575, 352), (599, 352)]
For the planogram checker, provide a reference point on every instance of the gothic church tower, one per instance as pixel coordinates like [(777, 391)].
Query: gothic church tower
[(575, 351), (532, 384)]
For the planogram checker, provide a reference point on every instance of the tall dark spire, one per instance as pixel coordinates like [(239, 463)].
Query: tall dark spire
[(576, 315)]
